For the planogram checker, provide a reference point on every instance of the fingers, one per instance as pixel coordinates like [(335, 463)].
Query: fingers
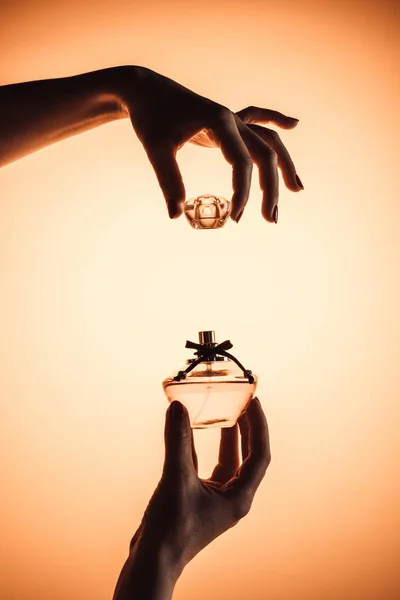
[(285, 162), (178, 442), (236, 153), (257, 460), (240, 144), (228, 459), (267, 162), (163, 159), (253, 114)]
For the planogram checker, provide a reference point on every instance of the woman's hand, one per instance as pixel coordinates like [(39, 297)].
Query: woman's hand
[(166, 115), (186, 513)]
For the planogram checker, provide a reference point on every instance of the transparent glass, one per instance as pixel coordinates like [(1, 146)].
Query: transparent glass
[(215, 393), (207, 211)]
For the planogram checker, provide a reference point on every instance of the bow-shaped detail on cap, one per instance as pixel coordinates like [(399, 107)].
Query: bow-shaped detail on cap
[(206, 352), (209, 351)]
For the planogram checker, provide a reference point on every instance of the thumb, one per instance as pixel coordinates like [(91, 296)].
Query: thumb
[(163, 159), (178, 442)]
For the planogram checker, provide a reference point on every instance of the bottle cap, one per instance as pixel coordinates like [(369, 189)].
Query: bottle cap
[(207, 337)]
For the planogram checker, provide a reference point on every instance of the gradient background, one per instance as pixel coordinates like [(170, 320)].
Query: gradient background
[(99, 291)]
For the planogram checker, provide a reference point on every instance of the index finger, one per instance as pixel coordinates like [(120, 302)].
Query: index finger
[(236, 153), (162, 156)]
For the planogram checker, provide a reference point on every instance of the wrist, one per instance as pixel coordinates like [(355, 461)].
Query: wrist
[(158, 556), (148, 574), (119, 84), (103, 92)]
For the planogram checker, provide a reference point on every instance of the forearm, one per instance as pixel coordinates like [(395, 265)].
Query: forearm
[(39, 113), (148, 574)]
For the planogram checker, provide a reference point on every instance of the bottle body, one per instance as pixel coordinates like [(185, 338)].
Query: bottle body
[(215, 393)]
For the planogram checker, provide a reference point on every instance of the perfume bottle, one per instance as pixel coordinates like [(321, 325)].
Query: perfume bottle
[(214, 386), (207, 211)]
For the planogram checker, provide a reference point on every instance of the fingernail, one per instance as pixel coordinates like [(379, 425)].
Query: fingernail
[(299, 182), (294, 119), (239, 216), (172, 209), (176, 410), (275, 213)]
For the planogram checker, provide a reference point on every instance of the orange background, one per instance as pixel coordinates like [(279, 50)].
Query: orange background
[(99, 291)]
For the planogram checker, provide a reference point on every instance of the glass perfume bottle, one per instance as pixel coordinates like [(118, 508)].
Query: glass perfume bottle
[(207, 211), (214, 386)]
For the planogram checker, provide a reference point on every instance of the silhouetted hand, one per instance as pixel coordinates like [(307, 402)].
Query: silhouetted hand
[(166, 115), (186, 513)]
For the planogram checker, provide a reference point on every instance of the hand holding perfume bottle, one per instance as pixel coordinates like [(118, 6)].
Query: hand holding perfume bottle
[(187, 513)]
